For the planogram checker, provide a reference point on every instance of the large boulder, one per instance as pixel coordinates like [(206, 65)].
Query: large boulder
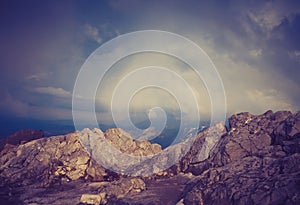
[(249, 135), (203, 145), (287, 134)]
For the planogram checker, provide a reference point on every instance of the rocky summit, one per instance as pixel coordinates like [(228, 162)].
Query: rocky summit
[(255, 161)]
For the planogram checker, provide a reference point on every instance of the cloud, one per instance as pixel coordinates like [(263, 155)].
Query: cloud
[(252, 88), (12, 106), (93, 33), (253, 45), (59, 92), (272, 14), (271, 97), (250, 80), (295, 55), (255, 52), (123, 72), (39, 76)]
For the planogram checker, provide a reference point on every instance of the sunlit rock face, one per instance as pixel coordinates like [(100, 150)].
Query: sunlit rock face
[(116, 150), (257, 161), (48, 160), (95, 140)]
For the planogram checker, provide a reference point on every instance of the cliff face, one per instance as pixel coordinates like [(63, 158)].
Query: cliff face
[(257, 161)]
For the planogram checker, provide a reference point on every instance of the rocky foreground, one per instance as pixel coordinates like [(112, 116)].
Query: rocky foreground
[(256, 161)]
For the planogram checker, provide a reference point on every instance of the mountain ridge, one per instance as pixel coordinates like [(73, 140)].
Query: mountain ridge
[(256, 161)]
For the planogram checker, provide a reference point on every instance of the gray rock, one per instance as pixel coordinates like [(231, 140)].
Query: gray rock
[(48, 160), (201, 149), (251, 164), (256, 162)]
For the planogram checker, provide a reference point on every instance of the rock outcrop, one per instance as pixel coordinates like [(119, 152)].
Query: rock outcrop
[(257, 161), (119, 139), (117, 151), (63, 162), (47, 161), (124, 142), (202, 148)]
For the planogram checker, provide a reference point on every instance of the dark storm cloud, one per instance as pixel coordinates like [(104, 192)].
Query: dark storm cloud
[(38, 49), (254, 45)]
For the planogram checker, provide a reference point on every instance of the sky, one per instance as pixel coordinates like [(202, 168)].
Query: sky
[(253, 44)]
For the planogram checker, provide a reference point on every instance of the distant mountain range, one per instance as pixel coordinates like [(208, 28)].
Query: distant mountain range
[(50, 127)]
